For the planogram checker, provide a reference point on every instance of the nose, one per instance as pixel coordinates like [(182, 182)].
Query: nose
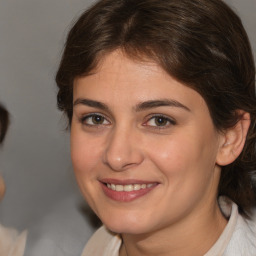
[(123, 150)]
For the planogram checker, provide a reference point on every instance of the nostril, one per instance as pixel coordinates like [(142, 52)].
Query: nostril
[(129, 165)]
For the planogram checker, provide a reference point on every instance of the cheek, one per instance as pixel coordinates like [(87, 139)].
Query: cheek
[(183, 156), (85, 159), (172, 156), (85, 154)]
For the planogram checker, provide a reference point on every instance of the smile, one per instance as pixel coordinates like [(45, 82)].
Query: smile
[(128, 187), (126, 191)]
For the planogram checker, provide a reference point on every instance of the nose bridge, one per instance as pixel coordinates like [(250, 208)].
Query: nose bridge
[(122, 148)]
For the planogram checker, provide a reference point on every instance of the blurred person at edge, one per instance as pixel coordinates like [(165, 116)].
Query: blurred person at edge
[(11, 242), (160, 97)]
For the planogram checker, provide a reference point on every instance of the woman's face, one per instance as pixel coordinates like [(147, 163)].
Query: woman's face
[(143, 146)]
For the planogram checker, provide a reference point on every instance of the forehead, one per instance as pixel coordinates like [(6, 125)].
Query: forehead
[(119, 79), (120, 64)]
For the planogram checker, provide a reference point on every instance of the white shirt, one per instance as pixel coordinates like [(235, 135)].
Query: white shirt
[(237, 239)]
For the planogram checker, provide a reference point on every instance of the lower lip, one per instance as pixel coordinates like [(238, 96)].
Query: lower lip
[(124, 196)]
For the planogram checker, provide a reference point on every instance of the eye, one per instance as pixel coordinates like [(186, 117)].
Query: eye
[(160, 121), (94, 120)]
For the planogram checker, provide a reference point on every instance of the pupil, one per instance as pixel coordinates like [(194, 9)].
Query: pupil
[(160, 121), (97, 119)]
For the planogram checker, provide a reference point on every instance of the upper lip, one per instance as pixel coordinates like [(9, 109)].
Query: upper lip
[(125, 182)]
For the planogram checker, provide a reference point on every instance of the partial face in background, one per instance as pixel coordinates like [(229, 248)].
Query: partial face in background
[(4, 121), (143, 146), (2, 187)]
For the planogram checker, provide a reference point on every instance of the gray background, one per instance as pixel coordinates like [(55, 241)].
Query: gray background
[(41, 190)]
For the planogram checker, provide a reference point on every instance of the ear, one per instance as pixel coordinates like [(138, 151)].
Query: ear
[(233, 140)]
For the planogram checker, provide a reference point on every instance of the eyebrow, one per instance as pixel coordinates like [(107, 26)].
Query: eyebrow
[(139, 107), (91, 103), (160, 103)]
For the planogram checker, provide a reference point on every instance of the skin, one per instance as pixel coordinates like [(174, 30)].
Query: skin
[(180, 155)]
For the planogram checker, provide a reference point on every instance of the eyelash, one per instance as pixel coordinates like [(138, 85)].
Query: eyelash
[(167, 121)]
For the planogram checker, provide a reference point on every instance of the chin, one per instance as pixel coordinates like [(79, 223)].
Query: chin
[(126, 225), (120, 229)]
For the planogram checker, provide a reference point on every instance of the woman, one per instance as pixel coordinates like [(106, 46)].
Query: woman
[(11, 243), (160, 97)]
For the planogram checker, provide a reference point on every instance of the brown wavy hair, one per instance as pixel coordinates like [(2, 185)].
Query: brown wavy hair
[(201, 43)]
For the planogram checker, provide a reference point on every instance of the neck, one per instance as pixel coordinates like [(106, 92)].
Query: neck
[(193, 236)]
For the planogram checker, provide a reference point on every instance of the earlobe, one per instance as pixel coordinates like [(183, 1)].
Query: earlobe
[(233, 140)]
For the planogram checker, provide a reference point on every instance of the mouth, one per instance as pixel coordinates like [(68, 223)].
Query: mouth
[(128, 190), (129, 187)]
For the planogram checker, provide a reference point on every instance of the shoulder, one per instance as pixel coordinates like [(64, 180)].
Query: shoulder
[(103, 243), (243, 240), (238, 237), (11, 242)]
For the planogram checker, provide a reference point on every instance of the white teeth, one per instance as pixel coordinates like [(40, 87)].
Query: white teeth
[(119, 188), (136, 187), (129, 187)]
